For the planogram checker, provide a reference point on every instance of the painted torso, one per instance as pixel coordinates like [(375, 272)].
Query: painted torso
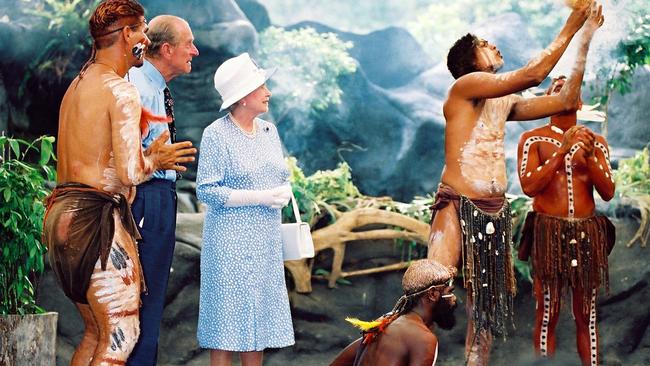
[(99, 136), (474, 149), (570, 192)]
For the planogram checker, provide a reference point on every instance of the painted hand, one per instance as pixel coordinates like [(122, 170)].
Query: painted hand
[(571, 137), (587, 140), (578, 16), (595, 20)]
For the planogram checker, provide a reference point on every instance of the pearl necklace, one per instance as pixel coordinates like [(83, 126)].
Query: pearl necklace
[(249, 134)]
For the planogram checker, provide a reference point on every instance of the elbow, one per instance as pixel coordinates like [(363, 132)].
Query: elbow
[(529, 190), (607, 195), (534, 77), (570, 105), (124, 179)]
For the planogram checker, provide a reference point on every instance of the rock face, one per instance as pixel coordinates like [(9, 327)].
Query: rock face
[(628, 117)]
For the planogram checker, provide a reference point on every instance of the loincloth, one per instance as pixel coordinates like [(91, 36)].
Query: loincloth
[(89, 236), (569, 252), (486, 225)]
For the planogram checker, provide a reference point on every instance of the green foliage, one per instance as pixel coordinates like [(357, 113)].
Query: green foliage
[(323, 194), (66, 22), (22, 190), (519, 207), (633, 175), (631, 53), (309, 64), (633, 188)]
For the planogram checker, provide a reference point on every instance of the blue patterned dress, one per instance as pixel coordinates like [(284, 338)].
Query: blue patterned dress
[(244, 305)]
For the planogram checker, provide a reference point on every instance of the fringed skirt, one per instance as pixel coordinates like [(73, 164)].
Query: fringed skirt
[(487, 265), (569, 252)]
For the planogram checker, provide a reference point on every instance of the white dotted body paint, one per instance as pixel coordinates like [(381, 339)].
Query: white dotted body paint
[(568, 169), (546, 318), (605, 152), (593, 332), (528, 144)]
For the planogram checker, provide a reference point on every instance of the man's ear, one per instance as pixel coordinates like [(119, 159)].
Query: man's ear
[(166, 49), (433, 295)]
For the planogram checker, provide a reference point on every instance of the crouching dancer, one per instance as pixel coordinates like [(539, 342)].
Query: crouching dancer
[(404, 336), (88, 226)]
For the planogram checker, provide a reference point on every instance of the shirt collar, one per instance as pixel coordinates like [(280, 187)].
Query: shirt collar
[(157, 80)]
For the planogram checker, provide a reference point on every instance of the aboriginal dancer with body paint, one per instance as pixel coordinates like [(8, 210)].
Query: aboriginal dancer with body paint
[(471, 223), (560, 165), (89, 230), (405, 335)]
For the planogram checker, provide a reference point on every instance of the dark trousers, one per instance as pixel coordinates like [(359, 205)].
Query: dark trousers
[(154, 211)]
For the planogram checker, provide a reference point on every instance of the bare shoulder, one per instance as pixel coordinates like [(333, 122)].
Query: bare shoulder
[(601, 139), (538, 131), (118, 88)]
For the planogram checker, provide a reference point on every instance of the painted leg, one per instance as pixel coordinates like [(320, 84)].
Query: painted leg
[(546, 317), (86, 349), (220, 357), (586, 328), (114, 297), (477, 346), (445, 238), (251, 358)]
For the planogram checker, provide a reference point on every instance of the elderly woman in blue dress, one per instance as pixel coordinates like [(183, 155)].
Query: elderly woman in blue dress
[(242, 177)]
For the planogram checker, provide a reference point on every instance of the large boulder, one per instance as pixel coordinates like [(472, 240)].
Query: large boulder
[(628, 119)]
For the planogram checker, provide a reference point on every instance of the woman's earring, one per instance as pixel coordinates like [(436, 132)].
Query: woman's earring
[(243, 103)]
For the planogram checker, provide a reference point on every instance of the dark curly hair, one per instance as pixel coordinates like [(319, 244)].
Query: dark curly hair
[(461, 58)]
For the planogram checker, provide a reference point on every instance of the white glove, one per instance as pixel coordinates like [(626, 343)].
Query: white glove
[(277, 197)]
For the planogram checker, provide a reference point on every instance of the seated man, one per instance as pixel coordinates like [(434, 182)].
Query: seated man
[(403, 336), (560, 164)]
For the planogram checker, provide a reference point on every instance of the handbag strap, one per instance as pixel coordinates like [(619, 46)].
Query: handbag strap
[(294, 204)]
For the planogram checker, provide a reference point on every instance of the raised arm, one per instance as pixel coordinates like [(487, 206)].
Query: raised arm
[(481, 85), (569, 96), (131, 166)]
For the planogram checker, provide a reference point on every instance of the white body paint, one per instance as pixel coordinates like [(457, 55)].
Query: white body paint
[(482, 159)]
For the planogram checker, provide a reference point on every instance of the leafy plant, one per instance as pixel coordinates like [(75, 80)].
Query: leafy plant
[(323, 195), (22, 190), (66, 22), (633, 187), (311, 64), (519, 207)]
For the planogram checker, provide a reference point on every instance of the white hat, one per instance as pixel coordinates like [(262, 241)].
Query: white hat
[(237, 77)]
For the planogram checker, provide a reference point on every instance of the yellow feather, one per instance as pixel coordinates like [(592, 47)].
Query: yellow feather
[(363, 325)]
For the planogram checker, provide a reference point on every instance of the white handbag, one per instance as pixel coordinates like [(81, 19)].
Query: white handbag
[(296, 237)]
